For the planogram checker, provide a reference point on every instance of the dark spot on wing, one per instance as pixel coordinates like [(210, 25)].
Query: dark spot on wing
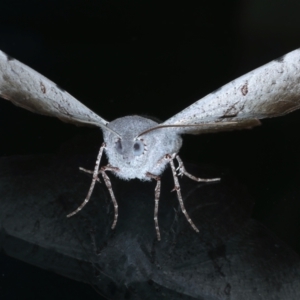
[(228, 116), (5, 77), (244, 89), (280, 59), (9, 58), (217, 90), (60, 88), (43, 88), (232, 111)]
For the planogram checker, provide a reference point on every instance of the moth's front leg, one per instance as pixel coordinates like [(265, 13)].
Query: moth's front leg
[(95, 178), (107, 182), (109, 187)]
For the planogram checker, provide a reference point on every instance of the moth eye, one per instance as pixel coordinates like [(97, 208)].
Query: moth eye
[(119, 146), (138, 148)]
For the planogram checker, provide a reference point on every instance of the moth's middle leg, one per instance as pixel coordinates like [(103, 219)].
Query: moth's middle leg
[(157, 195)]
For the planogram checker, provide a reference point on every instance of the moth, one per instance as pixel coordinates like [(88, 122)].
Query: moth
[(138, 147)]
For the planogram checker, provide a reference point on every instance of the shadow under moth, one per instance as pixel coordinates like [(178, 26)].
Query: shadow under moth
[(138, 147)]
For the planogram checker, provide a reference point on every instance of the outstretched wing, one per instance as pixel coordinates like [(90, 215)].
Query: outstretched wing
[(269, 91), (27, 88)]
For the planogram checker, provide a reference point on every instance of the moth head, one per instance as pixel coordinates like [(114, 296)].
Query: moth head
[(127, 148), (135, 154)]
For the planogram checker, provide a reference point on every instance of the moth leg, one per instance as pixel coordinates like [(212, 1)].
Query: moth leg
[(89, 172), (109, 187), (157, 194), (179, 196), (182, 171), (95, 178)]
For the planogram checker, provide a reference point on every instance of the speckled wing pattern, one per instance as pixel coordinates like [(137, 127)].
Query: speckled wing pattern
[(268, 91), (28, 89)]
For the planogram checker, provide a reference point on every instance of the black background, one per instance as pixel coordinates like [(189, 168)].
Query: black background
[(156, 58)]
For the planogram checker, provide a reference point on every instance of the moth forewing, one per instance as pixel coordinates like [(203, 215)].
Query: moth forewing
[(269, 91), (30, 90)]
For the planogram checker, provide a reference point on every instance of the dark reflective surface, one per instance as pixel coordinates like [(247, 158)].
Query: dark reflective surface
[(232, 257)]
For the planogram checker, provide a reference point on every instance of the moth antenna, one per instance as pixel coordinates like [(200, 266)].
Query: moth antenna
[(180, 126)]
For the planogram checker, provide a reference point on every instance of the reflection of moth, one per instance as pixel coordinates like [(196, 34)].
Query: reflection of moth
[(138, 147)]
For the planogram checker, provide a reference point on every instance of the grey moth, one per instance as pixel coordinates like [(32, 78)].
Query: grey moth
[(138, 147)]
